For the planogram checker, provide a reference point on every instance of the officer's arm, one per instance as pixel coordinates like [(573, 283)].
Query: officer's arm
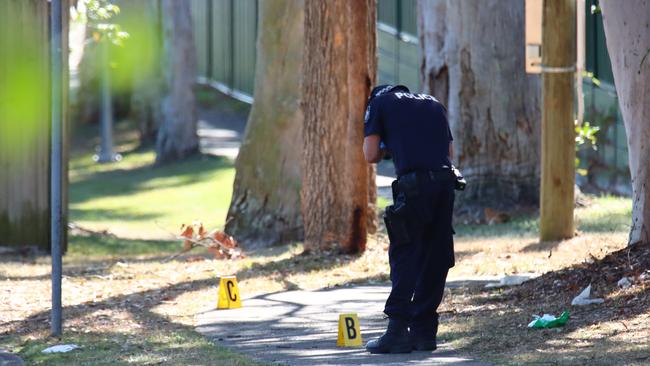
[(371, 150)]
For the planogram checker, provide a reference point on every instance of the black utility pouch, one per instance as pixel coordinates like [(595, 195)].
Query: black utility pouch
[(396, 227), (395, 218), (409, 185)]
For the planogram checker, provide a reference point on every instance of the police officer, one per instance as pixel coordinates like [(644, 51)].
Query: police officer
[(413, 129)]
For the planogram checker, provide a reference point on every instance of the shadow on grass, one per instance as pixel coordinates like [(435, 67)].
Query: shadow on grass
[(612, 222), (518, 227), (138, 302), (156, 340), (114, 246), (139, 305), (110, 250), (541, 246), (122, 214), (125, 182), (604, 214)]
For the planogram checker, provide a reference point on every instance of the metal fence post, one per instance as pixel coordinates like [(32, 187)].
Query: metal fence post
[(210, 30), (56, 163), (398, 36), (231, 51)]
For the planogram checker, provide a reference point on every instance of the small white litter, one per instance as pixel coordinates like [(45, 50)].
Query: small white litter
[(625, 282), (583, 298), (509, 281), (60, 348)]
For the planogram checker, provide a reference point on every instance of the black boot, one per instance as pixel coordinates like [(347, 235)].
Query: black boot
[(423, 338), (395, 340)]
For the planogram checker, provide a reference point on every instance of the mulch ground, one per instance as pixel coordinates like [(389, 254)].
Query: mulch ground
[(603, 275), (492, 323)]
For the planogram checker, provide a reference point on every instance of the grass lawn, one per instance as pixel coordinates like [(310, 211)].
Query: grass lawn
[(134, 199), (126, 303)]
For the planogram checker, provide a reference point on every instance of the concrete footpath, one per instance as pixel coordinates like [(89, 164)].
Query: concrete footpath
[(301, 327)]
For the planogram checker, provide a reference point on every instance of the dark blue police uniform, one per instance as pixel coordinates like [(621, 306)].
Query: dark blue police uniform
[(415, 131)]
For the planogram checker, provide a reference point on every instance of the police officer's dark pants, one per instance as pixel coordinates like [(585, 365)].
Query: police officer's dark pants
[(419, 268)]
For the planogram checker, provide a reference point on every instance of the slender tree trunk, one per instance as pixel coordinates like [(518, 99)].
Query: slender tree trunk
[(265, 207), (628, 43), (177, 136), (339, 69), (473, 62)]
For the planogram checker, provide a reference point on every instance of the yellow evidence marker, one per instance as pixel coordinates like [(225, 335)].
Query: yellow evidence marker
[(349, 331), (228, 293)]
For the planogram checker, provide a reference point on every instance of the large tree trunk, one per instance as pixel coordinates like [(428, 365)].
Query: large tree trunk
[(339, 69), (177, 136), (473, 62), (628, 43), (265, 206)]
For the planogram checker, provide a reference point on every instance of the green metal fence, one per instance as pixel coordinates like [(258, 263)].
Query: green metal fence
[(398, 45), (225, 32), (608, 166)]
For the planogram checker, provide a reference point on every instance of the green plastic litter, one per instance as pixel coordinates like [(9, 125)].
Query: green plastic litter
[(549, 321)]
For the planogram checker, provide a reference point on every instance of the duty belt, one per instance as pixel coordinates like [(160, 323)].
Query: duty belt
[(443, 173)]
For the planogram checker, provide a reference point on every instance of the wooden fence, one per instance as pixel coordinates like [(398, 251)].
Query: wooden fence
[(25, 123)]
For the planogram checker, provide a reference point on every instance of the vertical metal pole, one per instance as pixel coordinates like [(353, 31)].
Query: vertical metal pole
[(231, 46), (106, 154), (398, 39), (580, 64), (210, 31), (257, 19), (56, 163), (594, 56)]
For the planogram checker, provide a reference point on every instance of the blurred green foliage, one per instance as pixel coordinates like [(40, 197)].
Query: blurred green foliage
[(24, 78), (585, 138), (135, 34), (98, 15)]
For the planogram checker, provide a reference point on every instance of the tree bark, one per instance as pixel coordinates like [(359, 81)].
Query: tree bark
[(177, 137), (339, 69), (265, 206), (628, 43), (558, 130), (473, 62)]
